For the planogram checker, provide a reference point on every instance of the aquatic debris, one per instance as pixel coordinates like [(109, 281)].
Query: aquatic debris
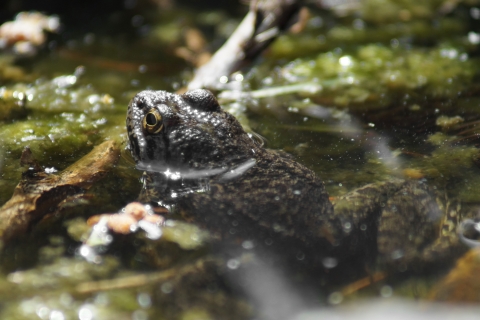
[(39, 193), (447, 122), (309, 88), (134, 216), (413, 173), (195, 47), (462, 283), (26, 33)]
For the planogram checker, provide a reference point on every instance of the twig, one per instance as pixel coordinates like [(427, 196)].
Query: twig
[(265, 20)]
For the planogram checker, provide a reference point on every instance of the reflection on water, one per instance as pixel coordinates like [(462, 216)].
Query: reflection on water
[(269, 287), (469, 232), (393, 309)]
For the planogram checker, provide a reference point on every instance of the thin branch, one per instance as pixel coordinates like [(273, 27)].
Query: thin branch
[(263, 23)]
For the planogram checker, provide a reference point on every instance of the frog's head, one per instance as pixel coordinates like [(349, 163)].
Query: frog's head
[(187, 131)]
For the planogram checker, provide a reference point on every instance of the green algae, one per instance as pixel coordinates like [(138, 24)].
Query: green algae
[(453, 167), (380, 21), (374, 76), (365, 60), (60, 122), (186, 236)]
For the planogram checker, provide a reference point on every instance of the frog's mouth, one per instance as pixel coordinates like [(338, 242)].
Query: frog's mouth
[(146, 149), (136, 137), (176, 173)]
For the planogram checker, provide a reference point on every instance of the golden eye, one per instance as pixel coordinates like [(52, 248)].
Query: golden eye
[(152, 122)]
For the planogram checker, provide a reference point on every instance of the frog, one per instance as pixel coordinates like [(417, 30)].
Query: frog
[(200, 163)]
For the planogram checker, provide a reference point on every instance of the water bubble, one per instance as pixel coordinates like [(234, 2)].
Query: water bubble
[(335, 298), (101, 299), (300, 256), (397, 254), (267, 81), (56, 315), (43, 312), (144, 300), (85, 313), (29, 306), (345, 61), (248, 244), (347, 227), (66, 299), (64, 81), (233, 264), (166, 287), (223, 79), (133, 227), (239, 77), (89, 39), (139, 315), (329, 262), (386, 291)]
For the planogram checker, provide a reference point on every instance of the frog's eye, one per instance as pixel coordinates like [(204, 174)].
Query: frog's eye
[(152, 122)]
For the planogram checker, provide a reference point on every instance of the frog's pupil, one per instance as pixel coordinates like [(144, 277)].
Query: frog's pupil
[(151, 119)]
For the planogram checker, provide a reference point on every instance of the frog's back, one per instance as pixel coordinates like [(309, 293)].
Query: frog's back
[(276, 197)]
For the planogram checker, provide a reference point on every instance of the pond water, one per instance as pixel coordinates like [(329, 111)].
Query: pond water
[(370, 90)]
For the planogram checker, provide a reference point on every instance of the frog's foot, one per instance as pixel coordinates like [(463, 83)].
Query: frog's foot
[(417, 231)]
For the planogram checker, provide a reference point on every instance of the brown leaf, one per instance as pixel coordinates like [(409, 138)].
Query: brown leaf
[(39, 193), (462, 284)]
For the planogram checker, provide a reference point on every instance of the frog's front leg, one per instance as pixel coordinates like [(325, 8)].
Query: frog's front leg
[(417, 230), (356, 217), (400, 222), (408, 225)]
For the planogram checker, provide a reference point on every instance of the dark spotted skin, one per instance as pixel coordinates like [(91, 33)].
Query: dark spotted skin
[(275, 198)]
